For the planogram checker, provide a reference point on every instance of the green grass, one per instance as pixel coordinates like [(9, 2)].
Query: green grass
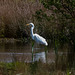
[(36, 68)]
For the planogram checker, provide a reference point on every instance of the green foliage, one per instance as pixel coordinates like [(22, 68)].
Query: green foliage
[(64, 7), (36, 68), (40, 16), (7, 69), (60, 27), (61, 23), (33, 68)]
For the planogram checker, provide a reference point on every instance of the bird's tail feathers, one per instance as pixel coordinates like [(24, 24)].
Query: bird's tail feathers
[(46, 44)]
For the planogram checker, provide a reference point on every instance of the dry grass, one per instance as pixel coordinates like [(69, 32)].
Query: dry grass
[(16, 13), (29, 69)]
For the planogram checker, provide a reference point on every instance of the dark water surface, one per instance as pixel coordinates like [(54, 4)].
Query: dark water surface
[(10, 52)]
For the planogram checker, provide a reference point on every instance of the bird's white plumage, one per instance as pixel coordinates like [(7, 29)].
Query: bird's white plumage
[(39, 39)]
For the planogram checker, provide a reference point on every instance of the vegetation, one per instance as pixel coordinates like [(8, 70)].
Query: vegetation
[(20, 68), (61, 23), (57, 21), (14, 14), (53, 19)]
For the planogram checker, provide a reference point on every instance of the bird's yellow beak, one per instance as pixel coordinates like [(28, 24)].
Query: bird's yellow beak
[(27, 24)]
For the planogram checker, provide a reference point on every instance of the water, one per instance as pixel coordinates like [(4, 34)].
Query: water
[(11, 52)]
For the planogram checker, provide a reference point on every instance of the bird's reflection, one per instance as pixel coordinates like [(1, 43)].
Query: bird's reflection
[(39, 57), (39, 53)]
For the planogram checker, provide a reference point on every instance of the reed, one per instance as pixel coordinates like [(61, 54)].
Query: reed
[(36, 68), (14, 14)]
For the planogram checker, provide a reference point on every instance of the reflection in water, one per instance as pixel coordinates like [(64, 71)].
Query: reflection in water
[(25, 57), (38, 53), (12, 57), (40, 57), (10, 52), (14, 47)]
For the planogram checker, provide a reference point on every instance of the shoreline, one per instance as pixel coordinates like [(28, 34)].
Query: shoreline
[(10, 40)]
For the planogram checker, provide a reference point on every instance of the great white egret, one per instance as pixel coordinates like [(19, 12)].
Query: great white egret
[(39, 39)]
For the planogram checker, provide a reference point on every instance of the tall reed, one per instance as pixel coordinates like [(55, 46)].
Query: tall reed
[(14, 14)]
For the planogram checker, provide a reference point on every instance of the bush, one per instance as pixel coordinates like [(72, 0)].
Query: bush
[(14, 15)]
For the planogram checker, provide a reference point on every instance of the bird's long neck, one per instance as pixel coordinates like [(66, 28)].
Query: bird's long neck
[(32, 32)]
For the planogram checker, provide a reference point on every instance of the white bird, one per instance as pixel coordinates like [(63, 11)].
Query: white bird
[(39, 39)]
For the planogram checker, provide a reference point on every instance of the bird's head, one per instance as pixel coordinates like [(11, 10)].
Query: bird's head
[(31, 24)]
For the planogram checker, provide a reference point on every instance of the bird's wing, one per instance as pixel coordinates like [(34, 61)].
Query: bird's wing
[(39, 38)]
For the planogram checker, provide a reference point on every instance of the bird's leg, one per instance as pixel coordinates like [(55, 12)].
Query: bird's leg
[(32, 50), (46, 51)]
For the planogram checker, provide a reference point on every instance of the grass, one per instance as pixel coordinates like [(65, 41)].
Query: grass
[(36, 68), (14, 14)]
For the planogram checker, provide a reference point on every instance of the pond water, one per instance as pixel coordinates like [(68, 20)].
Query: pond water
[(10, 52)]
